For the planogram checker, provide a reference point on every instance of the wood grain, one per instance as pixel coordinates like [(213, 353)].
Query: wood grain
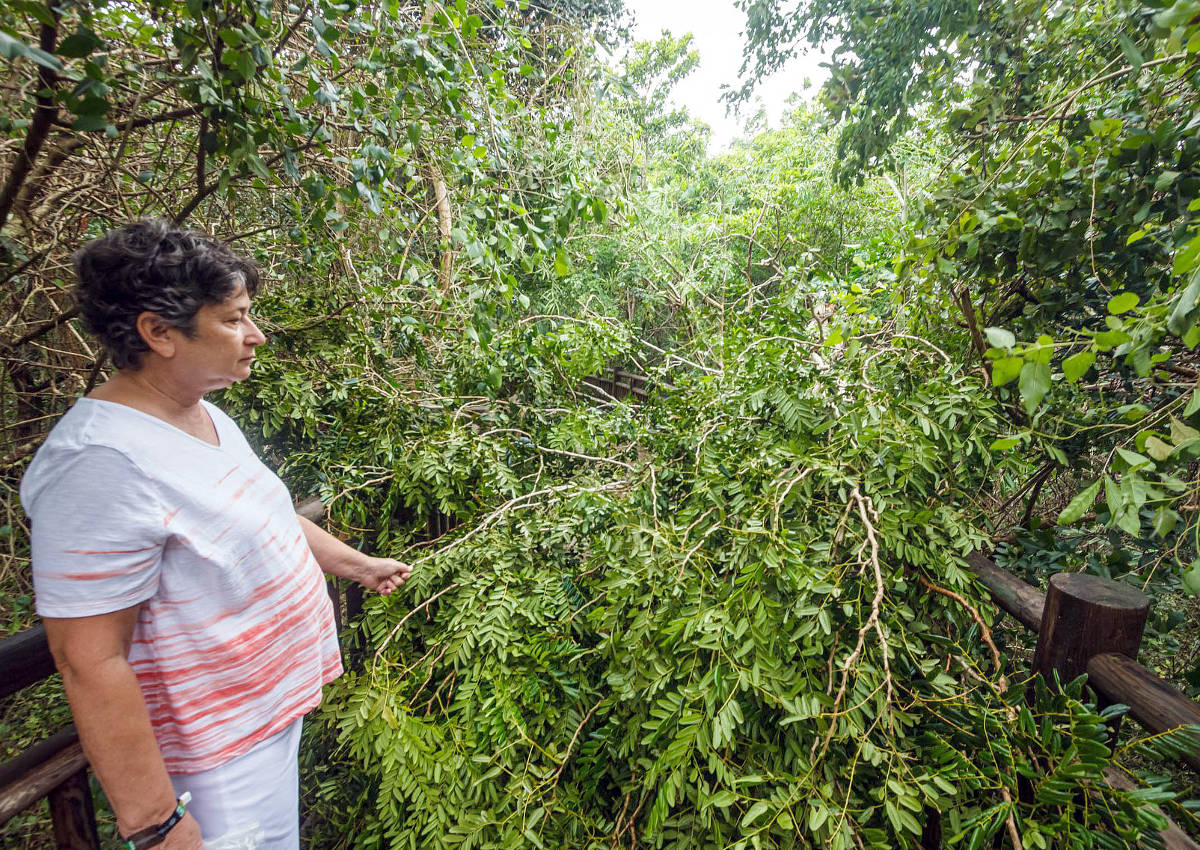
[(1023, 601)]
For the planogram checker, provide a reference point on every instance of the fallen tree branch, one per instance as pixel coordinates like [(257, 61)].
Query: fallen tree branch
[(406, 617)]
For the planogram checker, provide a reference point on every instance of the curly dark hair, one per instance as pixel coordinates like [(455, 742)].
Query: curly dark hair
[(153, 266)]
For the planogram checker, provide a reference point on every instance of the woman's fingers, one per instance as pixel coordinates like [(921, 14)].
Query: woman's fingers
[(387, 575)]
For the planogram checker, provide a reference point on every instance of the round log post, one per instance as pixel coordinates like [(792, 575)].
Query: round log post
[(1087, 615), (72, 814), (931, 832)]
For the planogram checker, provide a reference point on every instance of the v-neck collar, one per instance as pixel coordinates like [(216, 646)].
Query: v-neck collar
[(219, 445)]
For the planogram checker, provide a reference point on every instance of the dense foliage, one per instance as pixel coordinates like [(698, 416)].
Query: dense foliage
[(733, 613)]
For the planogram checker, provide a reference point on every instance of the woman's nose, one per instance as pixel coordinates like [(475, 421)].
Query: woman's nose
[(256, 337)]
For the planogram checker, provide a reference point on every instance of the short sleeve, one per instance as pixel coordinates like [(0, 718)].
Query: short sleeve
[(98, 530)]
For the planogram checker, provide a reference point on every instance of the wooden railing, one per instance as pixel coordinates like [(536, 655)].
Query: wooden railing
[(619, 384), (55, 768), (1087, 624)]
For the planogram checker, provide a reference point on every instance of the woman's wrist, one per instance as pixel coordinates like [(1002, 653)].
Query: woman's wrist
[(352, 565), (155, 832)]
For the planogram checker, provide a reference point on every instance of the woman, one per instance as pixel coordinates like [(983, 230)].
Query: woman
[(182, 596)]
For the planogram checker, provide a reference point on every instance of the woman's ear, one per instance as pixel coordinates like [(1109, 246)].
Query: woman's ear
[(157, 334)]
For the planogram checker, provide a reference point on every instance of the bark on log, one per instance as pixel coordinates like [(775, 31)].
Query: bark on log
[(1152, 701), (73, 815), (40, 781), (1023, 601)]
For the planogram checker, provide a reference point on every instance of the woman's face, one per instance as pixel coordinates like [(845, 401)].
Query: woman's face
[(222, 348)]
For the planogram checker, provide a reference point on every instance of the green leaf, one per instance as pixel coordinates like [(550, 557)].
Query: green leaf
[(1034, 384), (11, 48), (1181, 433), (1122, 303), (1185, 257), (1181, 313), (41, 12), (1108, 340), (1076, 366), (79, 44), (1112, 494), (817, 815), (1158, 449), (1191, 578), (1130, 50), (1006, 369), (723, 799), (1129, 521), (1164, 521), (46, 60), (1135, 460), (1078, 506), (1043, 350), (1004, 443), (1193, 404), (1000, 338), (755, 812), (562, 267)]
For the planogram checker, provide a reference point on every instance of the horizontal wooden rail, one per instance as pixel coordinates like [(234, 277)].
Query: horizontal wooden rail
[(1153, 702), (620, 385), (15, 768), (1022, 600), (39, 770), (24, 660)]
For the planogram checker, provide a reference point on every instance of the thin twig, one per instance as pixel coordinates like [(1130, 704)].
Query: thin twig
[(571, 746)]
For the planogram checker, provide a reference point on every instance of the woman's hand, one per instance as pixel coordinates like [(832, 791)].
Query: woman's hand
[(383, 575)]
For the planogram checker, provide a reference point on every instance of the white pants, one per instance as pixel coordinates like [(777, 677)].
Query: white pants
[(253, 800)]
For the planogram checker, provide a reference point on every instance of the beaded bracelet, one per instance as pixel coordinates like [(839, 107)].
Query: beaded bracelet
[(152, 836)]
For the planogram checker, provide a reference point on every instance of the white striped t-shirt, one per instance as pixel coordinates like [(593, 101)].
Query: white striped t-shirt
[(235, 636)]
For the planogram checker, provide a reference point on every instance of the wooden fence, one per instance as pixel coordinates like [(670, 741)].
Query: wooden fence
[(1087, 624), (619, 384)]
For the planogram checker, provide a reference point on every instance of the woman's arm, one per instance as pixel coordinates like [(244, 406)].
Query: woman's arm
[(336, 558), (113, 723)]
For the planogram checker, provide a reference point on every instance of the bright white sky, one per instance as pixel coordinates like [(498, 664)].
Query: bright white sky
[(717, 27)]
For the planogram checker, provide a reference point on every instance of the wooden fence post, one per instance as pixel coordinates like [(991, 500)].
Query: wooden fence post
[(1084, 616), (931, 832), (73, 815)]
